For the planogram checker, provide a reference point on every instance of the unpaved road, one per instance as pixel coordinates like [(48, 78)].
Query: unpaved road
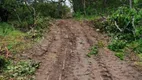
[(63, 51)]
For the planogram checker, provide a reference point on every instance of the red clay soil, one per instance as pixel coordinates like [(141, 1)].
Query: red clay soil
[(63, 51)]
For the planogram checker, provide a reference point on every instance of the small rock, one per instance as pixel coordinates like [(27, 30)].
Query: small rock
[(97, 30)]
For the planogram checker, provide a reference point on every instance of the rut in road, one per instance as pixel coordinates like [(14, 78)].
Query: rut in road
[(63, 51)]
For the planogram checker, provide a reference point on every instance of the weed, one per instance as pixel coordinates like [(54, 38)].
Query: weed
[(100, 44), (93, 51), (3, 62), (12, 38), (117, 45), (5, 29), (126, 23), (21, 69), (120, 55), (136, 46), (140, 57)]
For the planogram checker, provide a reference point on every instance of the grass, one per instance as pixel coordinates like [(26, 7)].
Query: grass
[(22, 70), (87, 17), (120, 55), (117, 45), (15, 41), (12, 39), (93, 51), (140, 57), (136, 46)]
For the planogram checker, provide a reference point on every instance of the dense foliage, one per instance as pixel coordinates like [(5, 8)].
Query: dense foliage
[(98, 7), (126, 21), (125, 27)]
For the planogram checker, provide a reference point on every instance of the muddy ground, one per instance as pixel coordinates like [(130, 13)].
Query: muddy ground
[(63, 51)]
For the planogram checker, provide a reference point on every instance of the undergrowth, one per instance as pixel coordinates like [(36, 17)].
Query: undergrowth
[(14, 39), (11, 38), (79, 16), (125, 27), (21, 70), (93, 51), (117, 45), (120, 55)]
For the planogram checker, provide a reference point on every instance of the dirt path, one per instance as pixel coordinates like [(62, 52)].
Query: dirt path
[(63, 55)]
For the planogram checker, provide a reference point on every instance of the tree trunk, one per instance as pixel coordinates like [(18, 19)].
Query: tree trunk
[(130, 3)]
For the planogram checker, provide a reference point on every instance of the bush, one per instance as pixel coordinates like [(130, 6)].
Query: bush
[(21, 70), (136, 46), (117, 45), (93, 51), (125, 22), (126, 25), (5, 29), (120, 56)]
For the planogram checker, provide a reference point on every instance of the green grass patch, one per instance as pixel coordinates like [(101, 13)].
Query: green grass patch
[(117, 45), (21, 70), (16, 38), (140, 57), (80, 17), (93, 51), (120, 55), (136, 46), (12, 38)]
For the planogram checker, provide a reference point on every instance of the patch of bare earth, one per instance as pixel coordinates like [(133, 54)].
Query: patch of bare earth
[(63, 51)]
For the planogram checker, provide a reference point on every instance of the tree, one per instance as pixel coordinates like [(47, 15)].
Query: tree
[(130, 3)]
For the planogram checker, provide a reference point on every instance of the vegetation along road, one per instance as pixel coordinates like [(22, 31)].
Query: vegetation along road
[(63, 55)]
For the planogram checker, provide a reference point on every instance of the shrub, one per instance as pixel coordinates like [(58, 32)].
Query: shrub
[(125, 22), (3, 62), (12, 38), (120, 56), (5, 29), (117, 45), (21, 70), (136, 46), (93, 51)]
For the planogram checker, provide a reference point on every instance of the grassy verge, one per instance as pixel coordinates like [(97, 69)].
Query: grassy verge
[(93, 51), (13, 41)]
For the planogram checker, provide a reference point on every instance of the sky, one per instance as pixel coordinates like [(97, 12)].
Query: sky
[(67, 3)]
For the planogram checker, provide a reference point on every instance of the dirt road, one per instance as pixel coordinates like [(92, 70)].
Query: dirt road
[(63, 51)]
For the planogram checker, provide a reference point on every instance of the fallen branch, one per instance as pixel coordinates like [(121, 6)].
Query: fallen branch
[(118, 27)]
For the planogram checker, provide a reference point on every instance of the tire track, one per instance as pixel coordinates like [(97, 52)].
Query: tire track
[(63, 55), (94, 39)]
